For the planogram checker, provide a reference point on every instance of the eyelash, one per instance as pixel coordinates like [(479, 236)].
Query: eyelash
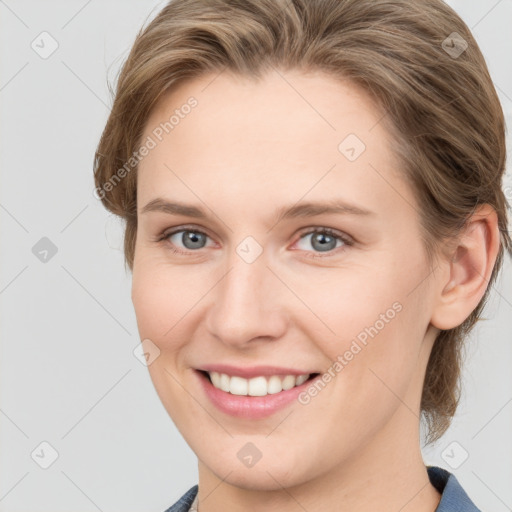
[(347, 241)]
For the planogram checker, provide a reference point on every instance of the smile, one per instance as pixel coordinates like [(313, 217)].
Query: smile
[(257, 386), (254, 396)]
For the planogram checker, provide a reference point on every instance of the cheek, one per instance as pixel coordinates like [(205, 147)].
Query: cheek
[(163, 300), (375, 329), (379, 296), (162, 297), (360, 303)]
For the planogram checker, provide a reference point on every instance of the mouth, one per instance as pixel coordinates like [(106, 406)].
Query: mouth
[(258, 386), (255, 397)]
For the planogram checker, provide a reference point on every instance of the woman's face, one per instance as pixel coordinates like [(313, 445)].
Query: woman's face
[(246, 281)]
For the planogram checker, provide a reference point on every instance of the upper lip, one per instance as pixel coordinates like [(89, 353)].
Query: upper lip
[(253, 371)]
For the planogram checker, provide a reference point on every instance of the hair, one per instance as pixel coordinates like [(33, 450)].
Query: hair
[(433, 85)]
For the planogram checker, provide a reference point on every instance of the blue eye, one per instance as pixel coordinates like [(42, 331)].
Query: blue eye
[(325, 240), (192, 239)]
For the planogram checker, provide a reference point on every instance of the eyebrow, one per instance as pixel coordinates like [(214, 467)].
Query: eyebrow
[(298, 210), (312, 208)]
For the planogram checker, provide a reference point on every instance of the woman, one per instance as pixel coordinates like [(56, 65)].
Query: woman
[(314, 217)]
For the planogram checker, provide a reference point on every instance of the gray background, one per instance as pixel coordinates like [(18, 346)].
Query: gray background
[(68, 375)]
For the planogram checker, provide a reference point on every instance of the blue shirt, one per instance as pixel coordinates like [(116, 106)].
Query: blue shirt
[(453, 496)]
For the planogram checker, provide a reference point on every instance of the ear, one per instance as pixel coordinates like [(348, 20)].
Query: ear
[(468, 267)]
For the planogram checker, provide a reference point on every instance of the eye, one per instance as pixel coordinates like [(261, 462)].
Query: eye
[(324, 240), (191, 239)]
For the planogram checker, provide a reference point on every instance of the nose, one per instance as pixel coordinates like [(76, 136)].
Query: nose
[(247, 304)]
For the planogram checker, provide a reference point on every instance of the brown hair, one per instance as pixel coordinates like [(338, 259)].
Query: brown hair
[(434, 85)]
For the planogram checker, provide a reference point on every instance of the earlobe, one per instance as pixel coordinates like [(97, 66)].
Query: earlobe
[(468, 270)]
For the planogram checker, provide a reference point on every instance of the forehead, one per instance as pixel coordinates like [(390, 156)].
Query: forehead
[(306, 105), (288, 133)]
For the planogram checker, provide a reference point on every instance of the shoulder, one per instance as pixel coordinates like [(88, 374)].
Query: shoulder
[(183, 504), (453, 496)]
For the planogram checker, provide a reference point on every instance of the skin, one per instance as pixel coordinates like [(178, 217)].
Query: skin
[(247, 149)]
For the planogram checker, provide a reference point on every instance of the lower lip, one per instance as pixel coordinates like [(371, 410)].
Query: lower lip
[(253, 407)]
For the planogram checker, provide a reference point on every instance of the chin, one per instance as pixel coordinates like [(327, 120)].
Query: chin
[(267, 474), (262, 479)]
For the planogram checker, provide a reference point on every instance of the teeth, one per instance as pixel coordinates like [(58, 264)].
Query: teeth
[(257, 386), (301, 379), (238, 386), (288, 382), (224, 382), (274, 385)]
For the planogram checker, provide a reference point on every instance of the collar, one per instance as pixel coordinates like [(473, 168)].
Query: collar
[(453, 496)]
